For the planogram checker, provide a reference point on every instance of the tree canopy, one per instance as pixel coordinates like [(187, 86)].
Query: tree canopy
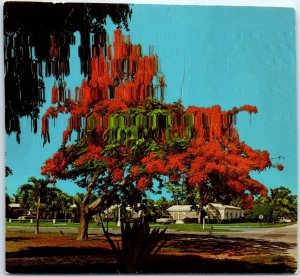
[(37, 39), (128, 137)]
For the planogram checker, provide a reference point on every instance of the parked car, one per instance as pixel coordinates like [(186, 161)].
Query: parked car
[(25, 217), (166, 219), (284, 220)]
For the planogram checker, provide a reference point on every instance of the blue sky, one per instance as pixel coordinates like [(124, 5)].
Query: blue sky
[(222, 55)]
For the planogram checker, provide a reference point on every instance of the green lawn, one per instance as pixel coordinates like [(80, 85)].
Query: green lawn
[(58, 224), (180, 227), (233, 227)]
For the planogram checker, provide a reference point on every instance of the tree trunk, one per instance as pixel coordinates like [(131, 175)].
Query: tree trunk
[(37, 227), (83, 223), (199, 216)]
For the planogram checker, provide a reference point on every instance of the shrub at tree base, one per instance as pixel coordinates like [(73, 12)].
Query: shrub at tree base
[(138, 243)]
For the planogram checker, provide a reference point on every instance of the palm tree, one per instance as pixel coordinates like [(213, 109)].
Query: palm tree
[(32, 196), (58, 201)]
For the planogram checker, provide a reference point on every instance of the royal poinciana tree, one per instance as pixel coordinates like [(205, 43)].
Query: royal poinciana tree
[(127, 137)]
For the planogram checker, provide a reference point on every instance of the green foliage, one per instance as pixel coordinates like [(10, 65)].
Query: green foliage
[(37, 195), (58, 201), (182, 194), (280, 203), (8, 171), (29, 194), (7, 209), (149, 210), (161, 206)]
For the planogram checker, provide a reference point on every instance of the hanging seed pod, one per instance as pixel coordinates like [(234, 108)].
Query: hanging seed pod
[(54, 94)]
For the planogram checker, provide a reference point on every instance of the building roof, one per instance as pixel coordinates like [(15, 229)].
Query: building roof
[(223, 207), (180, 208), (187, 208)]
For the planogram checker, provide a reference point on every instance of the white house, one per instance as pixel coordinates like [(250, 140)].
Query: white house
[(179, 212), (221, 212), (215, 212)]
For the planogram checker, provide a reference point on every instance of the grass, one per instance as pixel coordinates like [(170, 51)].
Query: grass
[(229, 227), (192, 227), (58, 224)]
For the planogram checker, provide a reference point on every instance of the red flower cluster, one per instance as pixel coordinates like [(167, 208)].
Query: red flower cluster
[(92, 152), (117, 175), (135, 171), (55, 165), (247, 201), (143, 183)]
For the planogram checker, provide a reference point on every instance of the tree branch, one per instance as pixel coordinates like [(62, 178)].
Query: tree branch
[(97, 203), (90, 187)]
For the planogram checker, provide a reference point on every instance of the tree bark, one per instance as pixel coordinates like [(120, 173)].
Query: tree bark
[(85, 217), (87, 211)]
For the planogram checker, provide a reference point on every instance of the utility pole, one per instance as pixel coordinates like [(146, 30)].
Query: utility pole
[(119, 216)]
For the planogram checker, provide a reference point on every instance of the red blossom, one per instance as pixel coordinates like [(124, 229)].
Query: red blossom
[(174, 178), (247, 201), (236, 186), (143, 183), (135, 171), (117, 175), (156, 166), (280, 167), (176, 162)]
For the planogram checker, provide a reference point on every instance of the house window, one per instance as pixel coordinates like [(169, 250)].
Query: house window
[(226, 215), (175, 216)]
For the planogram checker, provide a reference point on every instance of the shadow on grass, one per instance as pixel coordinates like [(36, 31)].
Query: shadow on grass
[(17, 239), (160, 264), (49, 251), (220, 244), (70, 260), (194, 264)]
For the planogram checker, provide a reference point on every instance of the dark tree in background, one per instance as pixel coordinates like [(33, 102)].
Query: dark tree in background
[(37, 39)]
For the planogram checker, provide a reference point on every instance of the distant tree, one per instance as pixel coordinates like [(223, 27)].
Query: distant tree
[(181, 193), (7, 208), (57, 201), (32, 196), (260, 207), (149, 210), (282, 203), (279, 203), (162, 204)]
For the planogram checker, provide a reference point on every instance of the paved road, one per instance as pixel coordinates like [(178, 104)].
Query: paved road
[(286, 235)]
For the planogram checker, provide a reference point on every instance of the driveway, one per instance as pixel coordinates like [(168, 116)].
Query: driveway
[(287, 235)]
